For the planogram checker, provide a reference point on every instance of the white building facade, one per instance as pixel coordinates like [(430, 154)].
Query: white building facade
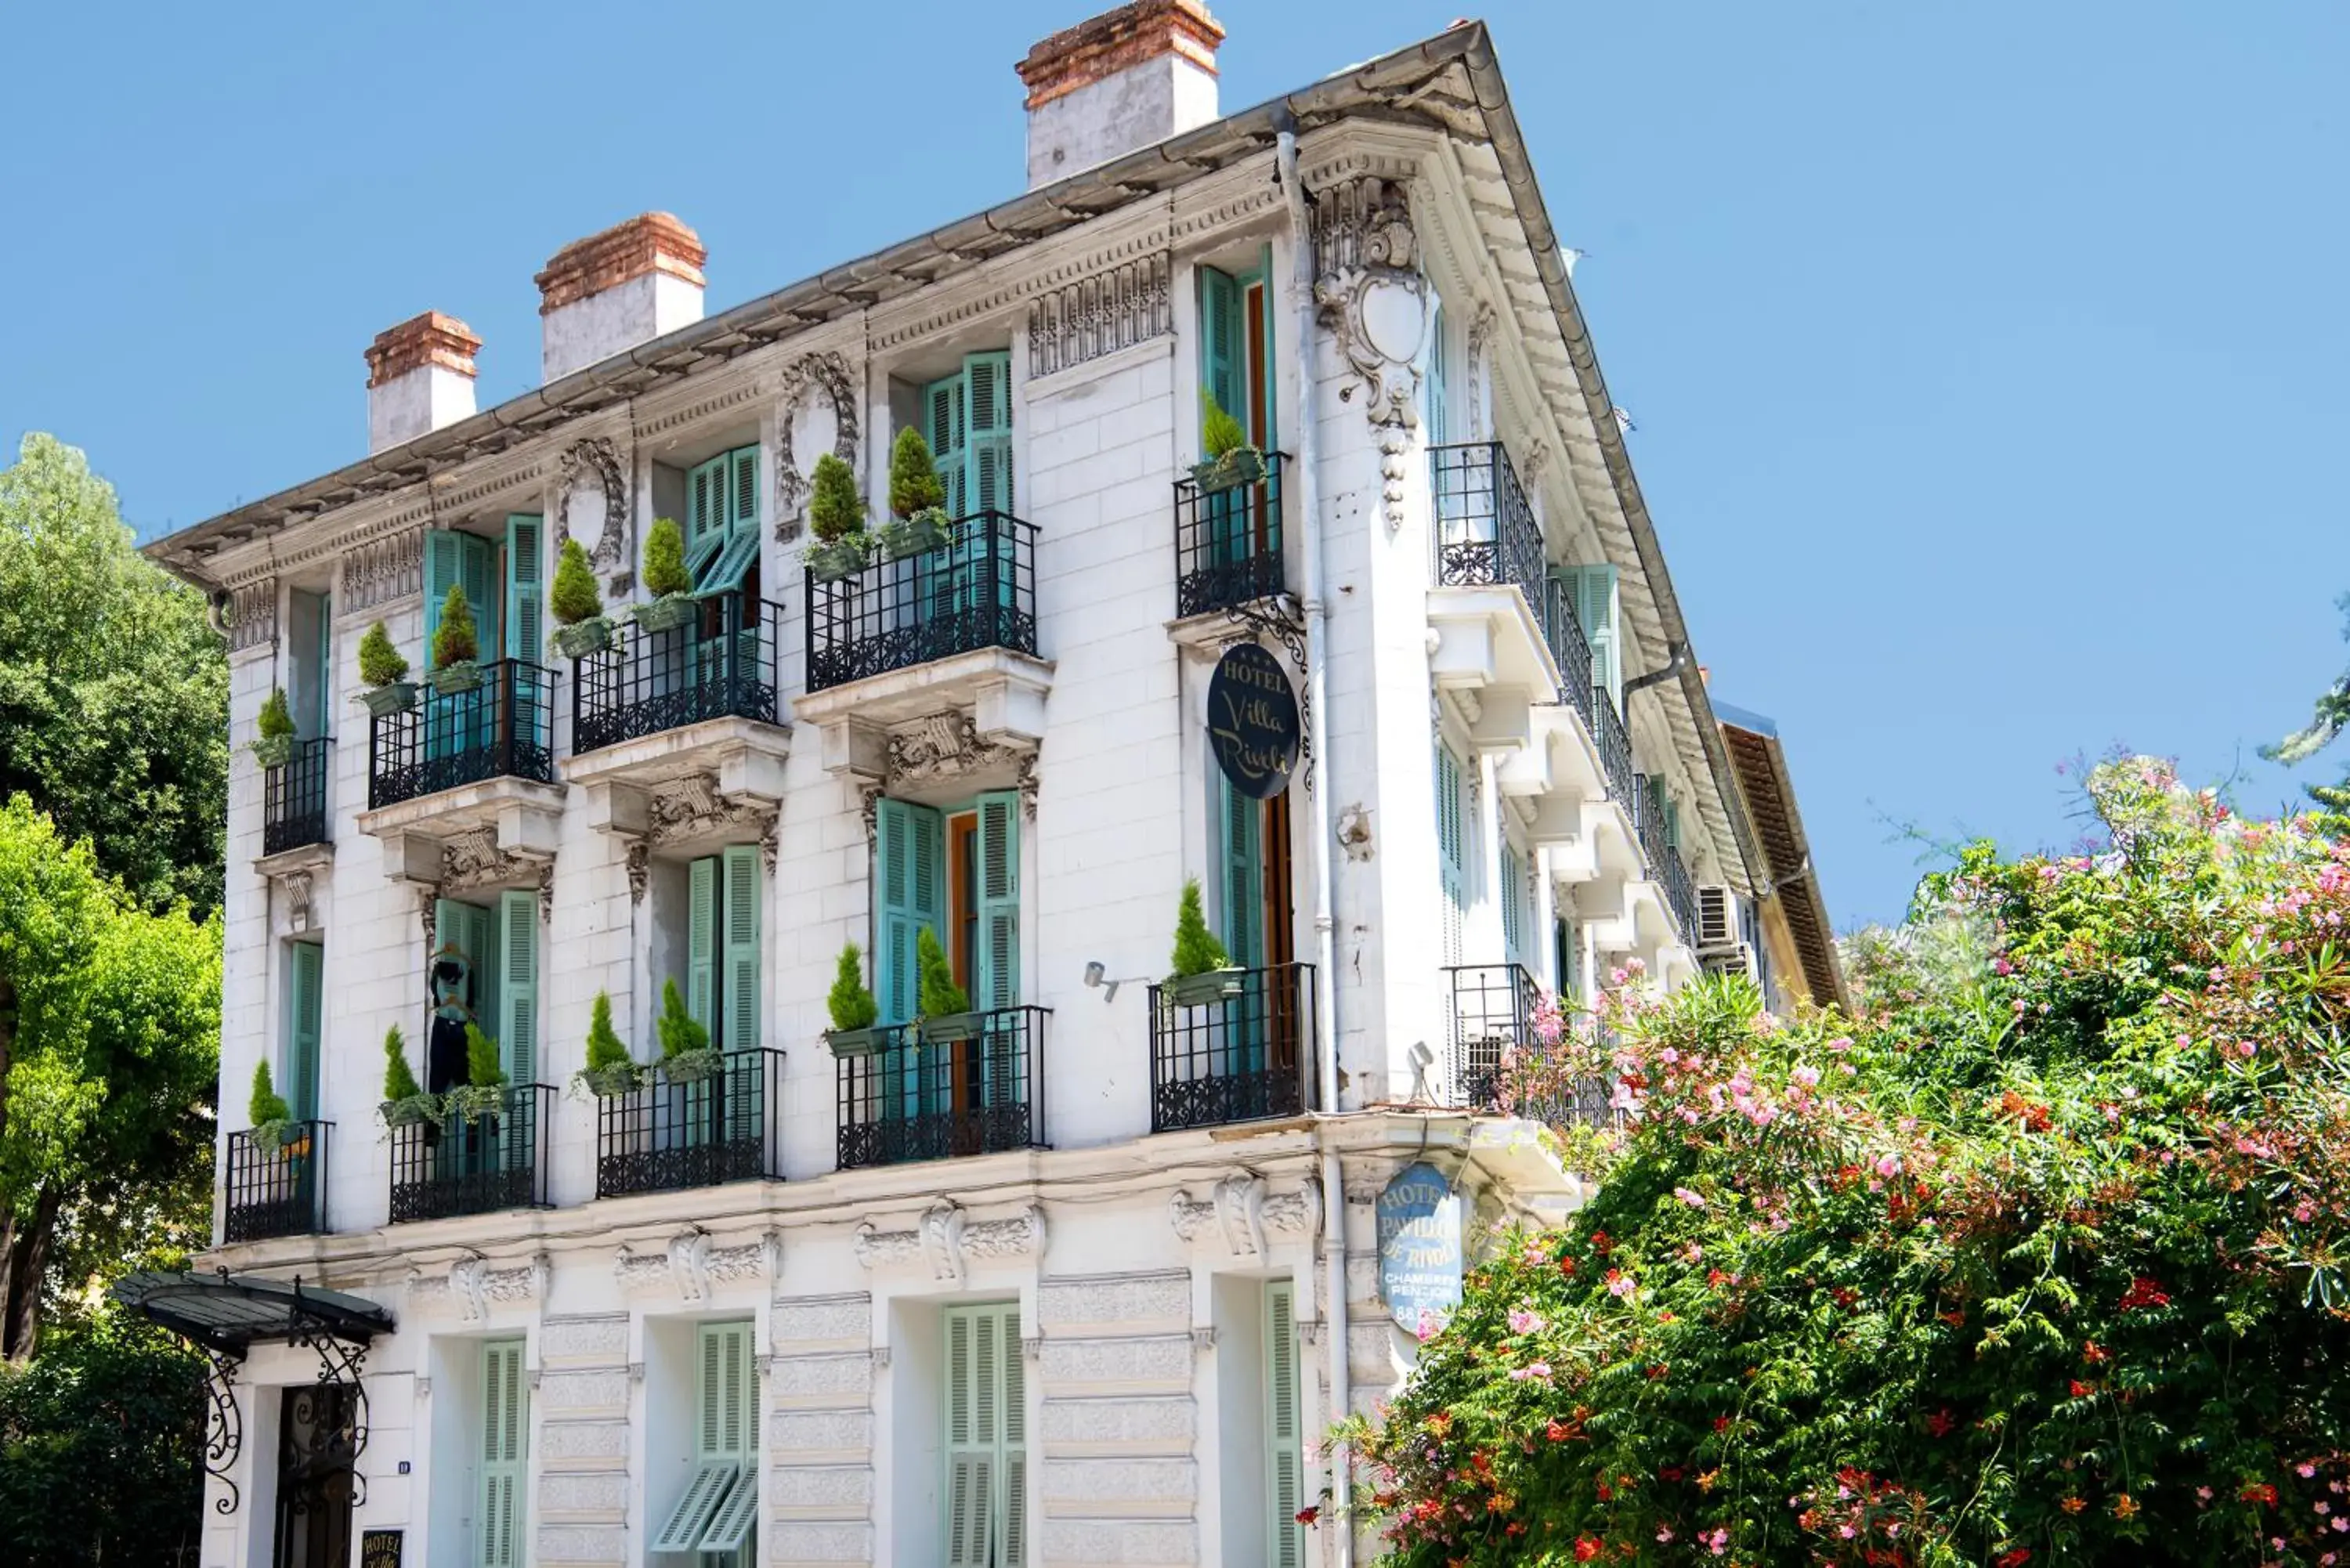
[(1081, 1276)]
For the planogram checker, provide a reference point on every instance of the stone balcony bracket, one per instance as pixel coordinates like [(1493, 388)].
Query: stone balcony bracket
[(513, 819), (705, 776), (1483, 637)]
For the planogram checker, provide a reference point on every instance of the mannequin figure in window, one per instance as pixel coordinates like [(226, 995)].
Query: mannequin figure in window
[(451, 975)]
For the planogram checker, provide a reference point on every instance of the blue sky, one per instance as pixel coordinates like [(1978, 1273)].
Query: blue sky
[(1987, 358)]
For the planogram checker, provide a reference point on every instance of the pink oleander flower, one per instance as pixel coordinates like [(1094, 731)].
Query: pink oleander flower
[(1807, 1075), (1620, 1284), (1523, 1323), (1694, 1199)]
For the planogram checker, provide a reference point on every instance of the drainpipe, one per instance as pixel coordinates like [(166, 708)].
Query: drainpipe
[(1326, 940)]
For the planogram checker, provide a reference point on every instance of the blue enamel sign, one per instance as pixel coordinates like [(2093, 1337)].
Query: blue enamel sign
[(1420, 1248)]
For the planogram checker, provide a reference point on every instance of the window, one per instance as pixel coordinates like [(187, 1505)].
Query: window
[(967, 419), (310, 665), (502, 579), (1513, 904), (721, 522), (1236, 346), (1595, 609), (723, 895), (504, 1442), (304, 1005), (986, 1447), (485, 972), (1284, 1450), (957, 873), (1439, 390), (715, 1514), (1451, 848)]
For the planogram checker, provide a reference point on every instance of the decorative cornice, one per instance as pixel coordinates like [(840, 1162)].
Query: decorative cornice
[(383, 571), (947, 746), (1113, 310), (947, 1240), (253, 615)]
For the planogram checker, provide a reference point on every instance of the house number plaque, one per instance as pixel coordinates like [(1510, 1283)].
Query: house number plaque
[(1253, 721)]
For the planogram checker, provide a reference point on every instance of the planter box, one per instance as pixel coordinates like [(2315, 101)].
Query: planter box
[(608, 1082), (462, 676), (414, 1111), (1202, 989), (593, 635), (1242, 465), (836, 562), (860, 1042), (916, 535), (948, 1028), (397, 697), (690, 1066), (272, 751), (667, 612)]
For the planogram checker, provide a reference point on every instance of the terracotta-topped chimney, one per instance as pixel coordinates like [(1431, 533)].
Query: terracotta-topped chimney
[(420, 377), (1126, 79), (612, 290)]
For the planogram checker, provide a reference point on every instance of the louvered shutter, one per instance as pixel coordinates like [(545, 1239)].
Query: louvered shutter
[(1451, 849), (1244, 846), (1439, 392), (702, 995), (322, 720), (944, 415), (1594, 606), (740, 901), (304, 1005), (480, 571), (742, 490), (709, 510), (525, 594), (1512, 902), (444, 567), (987, 438), (999, 901), (907, 849), (518, 984), (1221, 349), (470, 930), (1283, 1429), (986, 1439), (713, 1509), (1012, 1505), (504, 1420)]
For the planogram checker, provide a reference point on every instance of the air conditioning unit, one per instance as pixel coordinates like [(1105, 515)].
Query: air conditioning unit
[(1720, 916), (1737, 958)]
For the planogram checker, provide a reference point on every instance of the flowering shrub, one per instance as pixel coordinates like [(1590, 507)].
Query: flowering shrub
[(2043, 1258)]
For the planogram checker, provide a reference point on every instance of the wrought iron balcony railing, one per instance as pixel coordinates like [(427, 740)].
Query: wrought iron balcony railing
[(279, 1191), (978, 591), (1501, 1062), (1665, 864), (1485, 529), (474, 1165), (911, 1100), (293, 798), (500, 728), (1563, 633), (1240, 1055), (719, 666), (1228, 542), (672, 1133), (1615, 749)]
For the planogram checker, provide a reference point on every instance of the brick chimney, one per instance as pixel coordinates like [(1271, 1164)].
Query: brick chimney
[(612, 290), (1126, 79), (420, 377)]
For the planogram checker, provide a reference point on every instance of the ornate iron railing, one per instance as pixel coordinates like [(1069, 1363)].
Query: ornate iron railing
[(1501, 1064), (721, 665), (978, 591), (294, 797), (474, 1165), (702, 1131), (1239, 1056), (1485, 529), (500, 728), (1564, 632), (1615, 749), (1665, 864), (1228, 542), (280, 1190), (911, 1100)]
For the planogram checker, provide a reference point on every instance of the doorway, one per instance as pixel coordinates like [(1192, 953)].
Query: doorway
[(318, 1442)]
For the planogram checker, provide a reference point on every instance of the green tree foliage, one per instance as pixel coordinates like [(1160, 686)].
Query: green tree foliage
[(914, 482), (99, 1443), (456, 638), (1220, 432), (679, 1031), (940, 994), (664, 566), (851, 1004), (835, 509), (398, 1081), (2333, 712), (381, 664), (264, 1104), (1196, 950), (573, 597), (2043, 1258), (603, 1047), (482, 1068), (277, 719), (113, 688), (110, 1024)]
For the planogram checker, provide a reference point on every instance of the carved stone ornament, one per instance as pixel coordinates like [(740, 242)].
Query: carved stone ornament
[(253, 615), (946, 1239), (948, 747), (691, 808), (473, 860), (472, 1286), (1240, 1211), (1375, 302), (810, 377), (594, 487), (299, 916), (692, 1264)]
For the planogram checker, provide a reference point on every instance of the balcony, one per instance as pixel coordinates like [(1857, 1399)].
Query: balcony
[(1499, 1060), (909, 1100), (1665, 866), (1492, 605), (1245, 1056), (477, 1166), (279, 1191), (1228, 543), (700, 1132), (501, 729), (721, 666), (294, 799), (1615, 744), (977, 591)]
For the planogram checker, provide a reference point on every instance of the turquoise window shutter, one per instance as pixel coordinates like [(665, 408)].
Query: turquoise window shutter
[(986, 1446), (945, 424), (304, 1005), (741, 893), (478, 569), (1453, 850), (987, 438), (1439, 394), (518, 984), (701, 943), (1242, 823), (910, 850), (1594, 606), (999, 901), (505, 1419), (444, 555), (706, 510), (1222, 375), (526, 588), (1283, 1429), (742, 490), (469, 928), (322, 723)]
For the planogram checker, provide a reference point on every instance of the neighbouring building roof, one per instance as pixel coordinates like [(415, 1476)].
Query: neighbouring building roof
[(1787, 872)]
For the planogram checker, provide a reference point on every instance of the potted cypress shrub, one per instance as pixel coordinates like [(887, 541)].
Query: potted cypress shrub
[(837, 518), (1204, 972), (610, 1070), (405, 1102), (853, 1009), (271, 1117), (686, 1054), (581, 627), (389, 690), (917, 499), (483, 1093), (947, 1014), (273, 745), (666, 579), (456, 646), (1231, 462)]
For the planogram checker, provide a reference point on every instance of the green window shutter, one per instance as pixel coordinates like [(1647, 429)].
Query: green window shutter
[(721, 1498), (1221, 349), (1672, 823), (1512, 900), (1283, 1429), (702, 995), (910, 851), (742, 491), (1244, 846), (480, 571), (518, 984), (739, 888), (504, 1421), (709, 511), (946, 423), (987, 440), (1452, 859), (999, 901), (304, 1006), (986, 1449), (526, 588), (469, 928), (444, 565), (1440, 429), (730, 565), (1594, 606)]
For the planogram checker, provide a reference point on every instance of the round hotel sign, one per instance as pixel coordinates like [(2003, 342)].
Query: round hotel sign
[(1253, 721)]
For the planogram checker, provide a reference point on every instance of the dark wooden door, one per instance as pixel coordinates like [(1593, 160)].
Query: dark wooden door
[(317, 1442)]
